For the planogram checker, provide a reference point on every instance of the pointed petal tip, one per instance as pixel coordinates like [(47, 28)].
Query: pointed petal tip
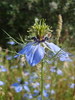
[(66, 59), (63, 56), (16, 56)]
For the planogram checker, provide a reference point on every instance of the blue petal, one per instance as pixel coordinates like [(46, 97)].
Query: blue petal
[(1, 66), (29, 96), (18, 88), (59, 72), (15, 85), (26, 49), (53, 69), (8, 57), (36, 92), (72, 85), (45, 94), (35, 55), (26, 83), (3, 70), (1, 83), (39, 98), (47, 86), (63, 56), (55, 49), (11, 42), (26, 88), (52, 92)]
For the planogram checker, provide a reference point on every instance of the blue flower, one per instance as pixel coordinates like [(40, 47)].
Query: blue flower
[(36, 92), (53, 69), (8, 57), (11, 42), (47, 86), (1, 83), (35, 51), (2, 69), (52, 91), (28, 96), (20, 86), (45, 94), (59, 72), (39, 98), (72, 85)]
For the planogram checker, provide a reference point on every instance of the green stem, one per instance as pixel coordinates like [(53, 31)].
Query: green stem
[(42, 76)]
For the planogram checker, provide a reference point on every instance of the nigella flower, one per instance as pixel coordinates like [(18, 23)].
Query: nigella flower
[(45, 94), (1, 83), (2, 69), (21, 85), (36, 92), (28, 96), (35, 51)]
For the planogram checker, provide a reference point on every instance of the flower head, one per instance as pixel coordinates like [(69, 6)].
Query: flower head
[(2, 69), (28, 96), (21, 85), (35, 51)]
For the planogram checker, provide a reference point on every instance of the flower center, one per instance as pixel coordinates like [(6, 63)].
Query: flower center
[(40, 39)]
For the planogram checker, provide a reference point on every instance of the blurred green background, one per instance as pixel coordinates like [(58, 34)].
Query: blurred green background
[(16, 16)]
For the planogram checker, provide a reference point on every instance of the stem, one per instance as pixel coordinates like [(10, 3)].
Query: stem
[(56, 83), (42, 74)]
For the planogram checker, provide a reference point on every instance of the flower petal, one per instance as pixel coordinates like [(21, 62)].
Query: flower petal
[(63, 56), (53, 47), (35, 55), (18, 88), (26, 49), (45, 94), (26, 88), (15, 84), (1, 83)]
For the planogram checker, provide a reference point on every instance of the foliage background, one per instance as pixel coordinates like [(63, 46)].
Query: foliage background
[(16, 16)]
